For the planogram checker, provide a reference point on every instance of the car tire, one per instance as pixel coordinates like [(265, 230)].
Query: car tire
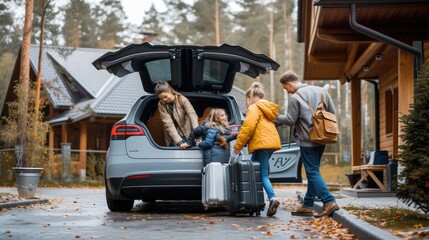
[(118, 205)]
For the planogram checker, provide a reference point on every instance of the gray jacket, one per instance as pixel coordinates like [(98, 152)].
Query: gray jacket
[(299, 115)]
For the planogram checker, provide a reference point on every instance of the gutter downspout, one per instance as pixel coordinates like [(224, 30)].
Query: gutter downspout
[(383, 38)]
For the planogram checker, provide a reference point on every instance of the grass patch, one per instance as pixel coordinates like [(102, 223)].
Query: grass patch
[(333, 174), (392, 218)]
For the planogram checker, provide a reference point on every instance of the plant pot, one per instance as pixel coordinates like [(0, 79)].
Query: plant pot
[(353, 179), (27, 180)]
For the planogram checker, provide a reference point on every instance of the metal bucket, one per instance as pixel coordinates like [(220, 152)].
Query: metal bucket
[(27, 180)]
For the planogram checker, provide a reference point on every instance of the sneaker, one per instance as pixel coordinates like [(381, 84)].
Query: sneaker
[(328, 210), (272, 209), (303, 211)]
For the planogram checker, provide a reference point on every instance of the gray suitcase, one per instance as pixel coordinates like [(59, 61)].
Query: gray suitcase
[(214, 185), (246, 192)]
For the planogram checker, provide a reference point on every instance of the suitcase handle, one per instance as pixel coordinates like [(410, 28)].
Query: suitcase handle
[(234, 157)]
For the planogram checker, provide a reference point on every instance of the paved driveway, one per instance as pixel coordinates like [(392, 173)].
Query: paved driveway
[(83, 214)]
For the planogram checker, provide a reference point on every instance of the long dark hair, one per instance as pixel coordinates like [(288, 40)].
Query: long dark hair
[(163, 86)]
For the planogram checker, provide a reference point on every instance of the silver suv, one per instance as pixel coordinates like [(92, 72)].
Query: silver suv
[(138, 164)]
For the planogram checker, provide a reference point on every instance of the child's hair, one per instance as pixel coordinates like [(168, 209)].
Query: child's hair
[(163, 86), (214, 120), (255, 90)]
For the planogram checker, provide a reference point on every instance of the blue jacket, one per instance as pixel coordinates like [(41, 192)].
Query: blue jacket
[(212, 152)]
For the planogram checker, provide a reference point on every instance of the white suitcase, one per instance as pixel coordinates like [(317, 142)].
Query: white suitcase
[(214, 185)]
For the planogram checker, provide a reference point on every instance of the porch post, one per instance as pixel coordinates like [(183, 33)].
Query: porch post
[(405, 90), (83, 144), (51, 153), (356, 126), (405, 85)]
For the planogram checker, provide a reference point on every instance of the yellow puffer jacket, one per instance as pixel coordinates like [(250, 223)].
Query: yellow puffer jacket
[(258, 129)]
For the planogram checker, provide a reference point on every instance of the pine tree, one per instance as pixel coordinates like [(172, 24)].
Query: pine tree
[(151, 22), (177, 20), (110, 16), (79, 25), (204, 24), (51, 24), (414, 186)]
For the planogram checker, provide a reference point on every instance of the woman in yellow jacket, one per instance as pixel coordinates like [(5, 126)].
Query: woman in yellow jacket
[(260, 134)]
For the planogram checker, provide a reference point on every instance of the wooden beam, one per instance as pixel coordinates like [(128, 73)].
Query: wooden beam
[(326, 58), (313, 30), (405, 85), (83, 145), (351, 56), (51, 152), (348, 35), (64, 137), (356, 126), (365, 58)]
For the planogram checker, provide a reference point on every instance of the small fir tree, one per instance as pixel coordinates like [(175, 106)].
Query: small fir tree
[(414, 186)]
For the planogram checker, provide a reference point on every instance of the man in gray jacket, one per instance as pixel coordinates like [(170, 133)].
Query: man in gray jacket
[(299, 115)]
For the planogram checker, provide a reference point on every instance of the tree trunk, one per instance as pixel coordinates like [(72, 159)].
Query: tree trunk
[(39, 65), (24, 76), (271, 46), (217, 22)]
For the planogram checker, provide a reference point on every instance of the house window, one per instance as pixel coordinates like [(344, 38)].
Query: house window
[(391, 101), (368, 116)]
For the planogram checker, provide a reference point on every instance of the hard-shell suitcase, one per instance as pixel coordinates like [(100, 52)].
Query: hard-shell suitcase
[(214, 185), (245, 191)]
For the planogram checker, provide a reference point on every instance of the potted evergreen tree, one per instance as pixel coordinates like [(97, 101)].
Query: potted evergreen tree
[(413, 181)]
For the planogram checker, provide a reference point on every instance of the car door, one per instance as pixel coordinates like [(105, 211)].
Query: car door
[(285, 164)]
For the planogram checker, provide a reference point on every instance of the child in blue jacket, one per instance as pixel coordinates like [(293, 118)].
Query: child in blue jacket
[(215, 137)]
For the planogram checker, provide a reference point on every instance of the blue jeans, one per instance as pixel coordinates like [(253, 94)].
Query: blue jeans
[(316, 186), (262, 156)]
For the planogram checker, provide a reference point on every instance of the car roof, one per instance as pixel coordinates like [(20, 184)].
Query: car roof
[(187, 68)]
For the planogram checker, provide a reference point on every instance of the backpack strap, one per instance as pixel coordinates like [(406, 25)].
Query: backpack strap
[(309, 107), (319, 106), (311, 110)]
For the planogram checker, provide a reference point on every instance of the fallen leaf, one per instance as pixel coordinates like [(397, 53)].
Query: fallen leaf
[(417, 225), (269, 232)]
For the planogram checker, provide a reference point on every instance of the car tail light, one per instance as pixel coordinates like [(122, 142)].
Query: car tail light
[(234, 128), (139, 176), (123, 131)]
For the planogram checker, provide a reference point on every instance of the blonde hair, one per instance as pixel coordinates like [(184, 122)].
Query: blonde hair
[(256, 89), (214, 120)]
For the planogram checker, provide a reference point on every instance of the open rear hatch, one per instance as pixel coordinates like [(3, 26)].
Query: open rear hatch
[(187, 68)]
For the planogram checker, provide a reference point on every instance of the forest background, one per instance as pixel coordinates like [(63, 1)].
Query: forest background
[(262, 26)]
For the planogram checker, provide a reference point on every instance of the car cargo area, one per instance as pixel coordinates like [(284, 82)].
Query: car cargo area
[(150, 115)]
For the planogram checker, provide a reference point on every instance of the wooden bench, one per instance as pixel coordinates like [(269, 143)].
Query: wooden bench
[(368, 171)]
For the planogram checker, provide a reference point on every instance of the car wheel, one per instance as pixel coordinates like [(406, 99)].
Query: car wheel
[(118, 205)]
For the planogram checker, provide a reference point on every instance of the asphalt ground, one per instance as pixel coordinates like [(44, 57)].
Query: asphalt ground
[(359, 228)]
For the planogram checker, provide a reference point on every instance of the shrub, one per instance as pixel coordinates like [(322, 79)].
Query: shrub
[(32, 136), (414, 187)]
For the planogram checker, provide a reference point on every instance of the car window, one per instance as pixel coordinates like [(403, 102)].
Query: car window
[(285, 134), (214, 71), (157, 70)]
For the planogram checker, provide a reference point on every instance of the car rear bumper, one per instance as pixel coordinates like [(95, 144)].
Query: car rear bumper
[(156, 187)]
